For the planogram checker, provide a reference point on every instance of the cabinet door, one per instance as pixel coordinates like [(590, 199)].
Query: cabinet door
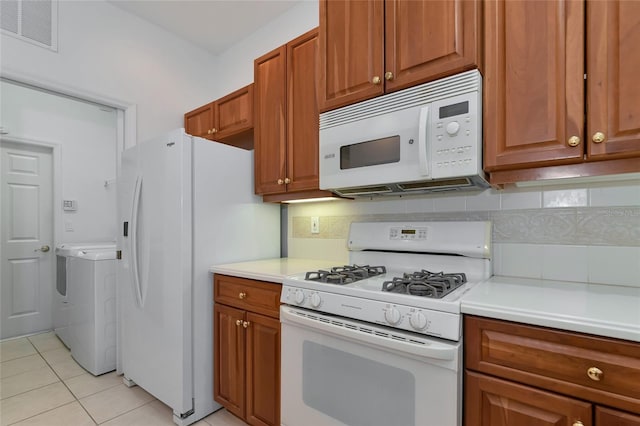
[(199, 122), (302, 113), (234, 113), (426, 40), (613, 88), (494, 402), (534, 83), (263, 370), (270, 104), (609, 417), (351, 38), (229, 360)]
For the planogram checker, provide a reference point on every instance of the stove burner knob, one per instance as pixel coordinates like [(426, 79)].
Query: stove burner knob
[(418, 321), (299, 297), (392, 315), (315, 300)]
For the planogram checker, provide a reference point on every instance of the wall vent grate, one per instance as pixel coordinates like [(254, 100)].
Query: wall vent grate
[(33, 21)]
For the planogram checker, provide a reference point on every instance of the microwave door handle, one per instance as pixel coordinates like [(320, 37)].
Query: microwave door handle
[(422, 141)]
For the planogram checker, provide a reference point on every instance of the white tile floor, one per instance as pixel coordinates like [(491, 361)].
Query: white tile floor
[(40, 384)]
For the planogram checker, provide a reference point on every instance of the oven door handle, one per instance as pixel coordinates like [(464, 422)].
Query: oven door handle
[(430, 349)]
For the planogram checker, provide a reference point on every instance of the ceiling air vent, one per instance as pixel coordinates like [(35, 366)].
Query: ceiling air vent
[(33, 21)]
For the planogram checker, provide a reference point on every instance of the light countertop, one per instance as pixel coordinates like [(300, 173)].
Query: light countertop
[(603, 310), (273, 270)]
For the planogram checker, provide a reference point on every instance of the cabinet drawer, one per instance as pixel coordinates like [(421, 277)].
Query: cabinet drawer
[(593, 368), (255, 296)]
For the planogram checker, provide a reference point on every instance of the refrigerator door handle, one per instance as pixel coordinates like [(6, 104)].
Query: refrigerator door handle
[(134, 240)]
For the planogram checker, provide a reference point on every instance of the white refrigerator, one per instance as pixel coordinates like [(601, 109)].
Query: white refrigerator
[(184, 204)]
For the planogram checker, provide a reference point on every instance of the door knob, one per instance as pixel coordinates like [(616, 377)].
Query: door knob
[(43, 249), (598, 137)]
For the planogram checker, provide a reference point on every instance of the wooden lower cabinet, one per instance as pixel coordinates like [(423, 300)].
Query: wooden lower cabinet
[(247, 351), (609, 417), (519, 375), (494, 402)]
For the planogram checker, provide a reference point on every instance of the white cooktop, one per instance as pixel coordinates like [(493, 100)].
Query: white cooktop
[(603, 310)]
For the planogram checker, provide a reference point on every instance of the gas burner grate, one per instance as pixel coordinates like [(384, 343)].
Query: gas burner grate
[(345, 274), (424, 283)]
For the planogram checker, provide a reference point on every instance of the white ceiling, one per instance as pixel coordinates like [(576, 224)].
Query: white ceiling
[(214, 25)]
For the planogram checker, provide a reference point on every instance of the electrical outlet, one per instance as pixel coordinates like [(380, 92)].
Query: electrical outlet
[(315, 225), (68, 226)]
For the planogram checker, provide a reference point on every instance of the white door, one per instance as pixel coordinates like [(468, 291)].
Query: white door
[(26, 213)]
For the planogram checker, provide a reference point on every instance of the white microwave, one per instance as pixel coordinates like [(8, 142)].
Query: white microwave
[(426, 138)]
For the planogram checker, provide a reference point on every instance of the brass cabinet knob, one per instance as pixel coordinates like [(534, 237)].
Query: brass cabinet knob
[(287, 180), (598, 137), (595, 374), (376, 80), (574, 141), (578, 423), (388, 75), (280, 181), (209, 131), (214, 130), (242, 295), (238, 322), (246, 324)]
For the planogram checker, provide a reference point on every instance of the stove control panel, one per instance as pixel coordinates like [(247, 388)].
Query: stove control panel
[(402, 233), (418, 320)]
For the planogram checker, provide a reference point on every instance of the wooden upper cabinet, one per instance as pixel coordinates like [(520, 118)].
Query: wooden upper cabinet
[(533, 82), (539, 122), (303, 169), (234, 113), (228, 120), (351, 37), (613, 83), (372, 47), (199, 122), (270, 131), (426, 40)]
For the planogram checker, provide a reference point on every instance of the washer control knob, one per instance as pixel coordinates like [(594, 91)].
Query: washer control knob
[(299, 297), (418, 320), (453, 127), (392, 315), (315, 300)]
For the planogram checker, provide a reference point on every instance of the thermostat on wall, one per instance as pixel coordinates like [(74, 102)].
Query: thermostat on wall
[(69, 205)]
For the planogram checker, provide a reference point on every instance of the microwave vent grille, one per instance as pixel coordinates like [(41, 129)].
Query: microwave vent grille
[(416, 187), (455, 85)]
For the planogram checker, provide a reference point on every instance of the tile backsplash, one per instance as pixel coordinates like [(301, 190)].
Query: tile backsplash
[(587, 232)]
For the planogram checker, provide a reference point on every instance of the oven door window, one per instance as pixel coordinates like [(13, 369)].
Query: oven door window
[(370, 153), (347, 387)]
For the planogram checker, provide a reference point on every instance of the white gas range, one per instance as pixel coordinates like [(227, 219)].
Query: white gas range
[(388, 326)]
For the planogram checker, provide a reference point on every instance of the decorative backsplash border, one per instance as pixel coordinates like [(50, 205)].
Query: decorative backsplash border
[(599, 226)]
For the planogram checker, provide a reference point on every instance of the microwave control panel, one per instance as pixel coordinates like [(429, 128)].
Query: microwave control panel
[(455, 135)]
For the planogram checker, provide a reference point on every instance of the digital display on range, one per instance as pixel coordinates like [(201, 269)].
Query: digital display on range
[(455, 109), (408, 231)]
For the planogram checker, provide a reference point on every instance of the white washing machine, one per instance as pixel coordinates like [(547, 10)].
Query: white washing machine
[(91, 278), (60, 311)]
